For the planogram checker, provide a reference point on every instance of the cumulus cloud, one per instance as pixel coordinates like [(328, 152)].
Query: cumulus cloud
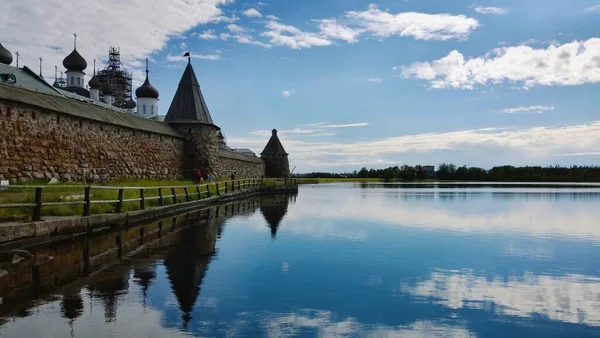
[(420, 26), (252, 13), (509, 146), (371, 22), (207, 35), (240, 35), (530, 109), (569, 64), (290, 36), (490, 10), (287, 93), (375, 79), (45, 28)]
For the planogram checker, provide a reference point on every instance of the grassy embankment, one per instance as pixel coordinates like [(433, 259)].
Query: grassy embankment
[(74, 191)]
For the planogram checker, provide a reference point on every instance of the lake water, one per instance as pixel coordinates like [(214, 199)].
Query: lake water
[(346, 260)]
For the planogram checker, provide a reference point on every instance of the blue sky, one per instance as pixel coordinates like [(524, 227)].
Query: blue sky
[(352, 83)]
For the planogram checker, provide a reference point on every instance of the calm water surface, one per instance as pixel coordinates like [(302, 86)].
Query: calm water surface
[(345, 260)]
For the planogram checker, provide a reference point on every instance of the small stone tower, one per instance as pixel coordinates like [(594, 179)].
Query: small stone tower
[(189, 115), (275, 157)]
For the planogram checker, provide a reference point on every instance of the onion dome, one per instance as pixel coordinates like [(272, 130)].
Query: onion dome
[(5, 56), (147, 90), (75, 61), (95, 83), (106, 90)]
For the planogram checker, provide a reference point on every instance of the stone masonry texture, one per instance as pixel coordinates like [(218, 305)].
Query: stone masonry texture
[(276, 165), (38, 144)]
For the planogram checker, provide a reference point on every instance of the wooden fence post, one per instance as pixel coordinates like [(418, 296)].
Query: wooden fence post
[(174, 195), (37, 210), (142, 201), (86, 199), (239, 185), (207, 191), (218, 192), (187, 196), (160, 197), (120, 202), (198, 191), (226, 187)]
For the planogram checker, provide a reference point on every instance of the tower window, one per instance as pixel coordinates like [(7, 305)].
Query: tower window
[(72, 80), (78, 81), (144, 108), (152, 109)]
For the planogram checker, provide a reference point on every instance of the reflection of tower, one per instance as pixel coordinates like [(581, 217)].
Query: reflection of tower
[(143, 276), (188, 261), (71, 307), (109, 289), (274, 209)]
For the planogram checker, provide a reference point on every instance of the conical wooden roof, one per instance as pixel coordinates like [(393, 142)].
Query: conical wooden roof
[(188, 105), (274, 146)]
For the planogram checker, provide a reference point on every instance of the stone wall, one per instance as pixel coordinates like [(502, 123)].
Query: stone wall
[(38, 144), (201, 148), (277, 166), (240, 165)]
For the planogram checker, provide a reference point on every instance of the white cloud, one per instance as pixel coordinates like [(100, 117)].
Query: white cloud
[(569, 64), (530, 109), (208, 35), (287, 93), (183, 45), (420, 26), (375, 80), (45, 28), (252, 13), (178, 58), (272, 17), (538, 145), (332, 29), (373, 22), (290, 36), (235, 28), (595, 8), (490, 10)]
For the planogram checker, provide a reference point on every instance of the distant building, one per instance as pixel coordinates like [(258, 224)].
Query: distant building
[(275, 157), (429, 171)]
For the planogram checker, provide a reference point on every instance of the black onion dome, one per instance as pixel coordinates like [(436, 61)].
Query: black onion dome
[(75, 61), (106, 90), (146, 90), (5, 56), (95, 83)]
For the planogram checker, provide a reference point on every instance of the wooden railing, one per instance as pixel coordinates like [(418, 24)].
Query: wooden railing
[(194, 192)]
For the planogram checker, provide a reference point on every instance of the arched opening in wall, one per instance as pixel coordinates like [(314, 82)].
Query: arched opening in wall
[(149, 135), (33, 115), (57, 119), (80, 124), (8, 111), (118, 131), (161, 138), (133, 133), (101, 127)]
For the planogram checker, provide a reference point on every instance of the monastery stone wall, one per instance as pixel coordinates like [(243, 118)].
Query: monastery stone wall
[(240, 165), (38, 144), (277, 166)]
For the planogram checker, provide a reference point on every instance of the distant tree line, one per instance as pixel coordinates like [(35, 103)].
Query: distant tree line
[(451, 172)]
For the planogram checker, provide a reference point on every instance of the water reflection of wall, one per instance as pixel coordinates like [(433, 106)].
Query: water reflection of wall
[(56, 263)]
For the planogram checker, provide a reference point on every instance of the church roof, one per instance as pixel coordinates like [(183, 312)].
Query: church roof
[(75, 61), (147, 90), (5, 56), (188, 105), (274, 146)]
